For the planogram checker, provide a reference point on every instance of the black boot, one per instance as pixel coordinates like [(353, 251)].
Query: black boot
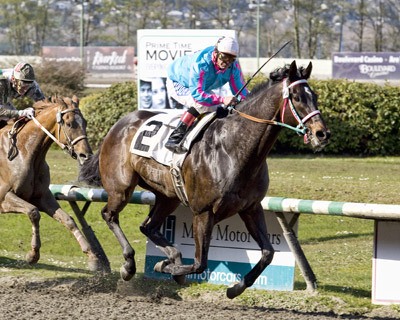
[(176, 137)]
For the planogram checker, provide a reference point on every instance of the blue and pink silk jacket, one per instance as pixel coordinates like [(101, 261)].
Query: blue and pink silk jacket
[(200, 73)]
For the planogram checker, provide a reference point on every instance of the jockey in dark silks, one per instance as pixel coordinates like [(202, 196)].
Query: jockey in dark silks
[(17, 83), (192, 78)]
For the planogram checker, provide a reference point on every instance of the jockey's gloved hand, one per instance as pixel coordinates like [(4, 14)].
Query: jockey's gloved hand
[(231, 101), (27, 113), (222, 112)]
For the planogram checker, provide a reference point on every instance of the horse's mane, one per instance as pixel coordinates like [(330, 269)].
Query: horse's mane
[(50, 101), (275, 77)]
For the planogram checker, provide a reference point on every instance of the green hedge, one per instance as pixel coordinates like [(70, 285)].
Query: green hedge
[(364, 118), (103, 110)]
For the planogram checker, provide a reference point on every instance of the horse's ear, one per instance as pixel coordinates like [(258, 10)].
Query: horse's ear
[(75, 100), (307, 72), (293, 71)]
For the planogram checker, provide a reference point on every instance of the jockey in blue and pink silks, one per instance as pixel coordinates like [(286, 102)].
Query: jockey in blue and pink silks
[(192, 78)]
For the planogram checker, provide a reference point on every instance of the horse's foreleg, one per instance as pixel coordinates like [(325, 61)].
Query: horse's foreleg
[(255, 223), (12, 203)]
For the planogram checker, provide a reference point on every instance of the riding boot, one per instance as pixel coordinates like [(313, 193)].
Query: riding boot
[(185, 122)]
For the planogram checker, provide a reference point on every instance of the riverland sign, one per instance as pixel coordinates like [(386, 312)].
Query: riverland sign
[(233, 252)]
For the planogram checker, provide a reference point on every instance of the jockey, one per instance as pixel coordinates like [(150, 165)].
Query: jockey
[(192, 78), (17, 83)]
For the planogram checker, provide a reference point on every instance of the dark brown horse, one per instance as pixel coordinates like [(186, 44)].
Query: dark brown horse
[(25, 175), (225, 172)]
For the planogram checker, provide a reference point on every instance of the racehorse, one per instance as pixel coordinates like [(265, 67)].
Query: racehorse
[(225, 172), (25, 175)]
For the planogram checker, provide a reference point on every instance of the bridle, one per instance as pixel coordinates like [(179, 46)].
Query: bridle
[(287, 100), (69, 147), (300, 128)]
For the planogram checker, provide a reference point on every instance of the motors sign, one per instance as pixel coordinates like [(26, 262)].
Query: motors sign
[(233, 252), (366, 65)]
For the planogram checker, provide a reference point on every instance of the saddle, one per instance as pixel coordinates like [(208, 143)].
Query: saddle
[(149, 142)]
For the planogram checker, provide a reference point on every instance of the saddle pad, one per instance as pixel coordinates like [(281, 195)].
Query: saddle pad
[(151, 137)]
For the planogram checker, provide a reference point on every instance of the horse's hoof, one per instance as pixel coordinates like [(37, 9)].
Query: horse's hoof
[(236, 290), (32, 257), (160, 266), (125, 275), (181, 279)]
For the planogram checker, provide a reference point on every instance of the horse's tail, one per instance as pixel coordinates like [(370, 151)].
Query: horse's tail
[(89, 172)]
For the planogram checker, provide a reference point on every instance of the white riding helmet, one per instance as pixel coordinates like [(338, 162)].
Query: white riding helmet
[(228, 45)]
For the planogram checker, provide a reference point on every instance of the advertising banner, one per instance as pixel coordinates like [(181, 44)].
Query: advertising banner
[(156, 49), (118, 60), (366, 65), (233, 252), (62, 54), (110, 59), (386, 263)]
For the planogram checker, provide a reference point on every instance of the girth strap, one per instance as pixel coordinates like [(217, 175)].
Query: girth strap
[(177, 180)]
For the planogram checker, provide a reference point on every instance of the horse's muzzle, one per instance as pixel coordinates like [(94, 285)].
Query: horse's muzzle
[(319, 139)]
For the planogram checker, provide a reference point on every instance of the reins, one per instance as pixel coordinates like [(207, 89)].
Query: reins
[(69, 147), (300, 128)]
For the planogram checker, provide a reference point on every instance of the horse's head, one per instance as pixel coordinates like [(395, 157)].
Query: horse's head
[(70, 128), (300, 106)]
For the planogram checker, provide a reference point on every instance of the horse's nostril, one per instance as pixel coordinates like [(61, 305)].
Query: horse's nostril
[(323, 135), (328, 134)]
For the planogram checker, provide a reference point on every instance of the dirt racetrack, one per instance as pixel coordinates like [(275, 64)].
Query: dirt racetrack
[(90, 299)]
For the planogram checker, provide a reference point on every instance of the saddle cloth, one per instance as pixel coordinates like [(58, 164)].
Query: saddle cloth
[(151, 137)]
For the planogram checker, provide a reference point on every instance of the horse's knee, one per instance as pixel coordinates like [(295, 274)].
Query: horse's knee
[(267, 255), (34, 216), (70, 223)]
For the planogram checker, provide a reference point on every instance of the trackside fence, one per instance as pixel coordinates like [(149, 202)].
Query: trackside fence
[(388, 215)]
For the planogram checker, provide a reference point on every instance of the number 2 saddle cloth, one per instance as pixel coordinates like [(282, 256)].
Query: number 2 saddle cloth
[(151, 137)]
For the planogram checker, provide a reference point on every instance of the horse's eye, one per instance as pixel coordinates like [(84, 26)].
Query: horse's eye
[(296, 98)]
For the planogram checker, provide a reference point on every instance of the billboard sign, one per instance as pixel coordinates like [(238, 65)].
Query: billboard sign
[(366, 65), (118, 60), (233, 252), (386, 263), (158, 48)]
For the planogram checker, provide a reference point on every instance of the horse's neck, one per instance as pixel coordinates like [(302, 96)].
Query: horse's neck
[(265, 106), (47, 120)]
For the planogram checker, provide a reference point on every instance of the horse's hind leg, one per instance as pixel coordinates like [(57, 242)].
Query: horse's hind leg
[(255, 223), (202, 228), (162, 208), (50, 206), (12, 203)]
